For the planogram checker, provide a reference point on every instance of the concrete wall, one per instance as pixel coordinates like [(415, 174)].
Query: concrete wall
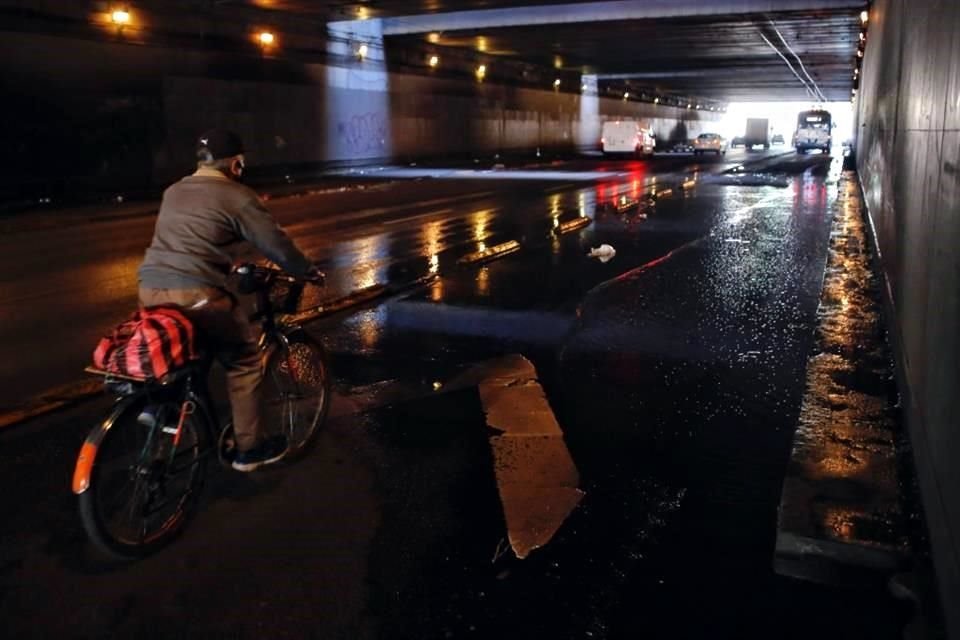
[(908, 153), (90, 113)]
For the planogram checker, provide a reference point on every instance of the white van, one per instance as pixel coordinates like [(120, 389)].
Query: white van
[(626, 136)]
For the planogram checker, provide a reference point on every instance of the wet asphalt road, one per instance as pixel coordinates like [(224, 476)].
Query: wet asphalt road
[(675, 371), (62, 284)]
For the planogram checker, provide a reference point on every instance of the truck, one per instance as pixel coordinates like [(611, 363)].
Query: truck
[(758, 132)]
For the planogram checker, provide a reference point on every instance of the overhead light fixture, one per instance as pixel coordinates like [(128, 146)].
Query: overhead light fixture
[(266, 38), (120, 17), (864, 16), (434, 61)]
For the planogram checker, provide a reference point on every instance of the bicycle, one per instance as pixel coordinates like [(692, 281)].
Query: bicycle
[(140, 471)]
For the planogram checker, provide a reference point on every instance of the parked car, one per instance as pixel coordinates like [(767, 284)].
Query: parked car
[(709, 142), (738, 141), (777, 139)]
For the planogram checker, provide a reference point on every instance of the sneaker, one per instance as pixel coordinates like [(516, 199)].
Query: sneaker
[(269, 451), (148, 417)]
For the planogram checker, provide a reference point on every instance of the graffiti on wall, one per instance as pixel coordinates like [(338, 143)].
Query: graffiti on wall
[(364, 133)]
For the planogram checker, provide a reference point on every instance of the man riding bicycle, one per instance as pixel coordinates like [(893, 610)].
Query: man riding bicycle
[(205, 220)]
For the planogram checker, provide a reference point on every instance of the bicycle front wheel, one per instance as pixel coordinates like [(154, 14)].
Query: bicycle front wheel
[(145, 478), (297, 390)]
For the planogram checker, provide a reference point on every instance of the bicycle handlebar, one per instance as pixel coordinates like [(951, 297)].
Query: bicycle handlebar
[(255, 276)]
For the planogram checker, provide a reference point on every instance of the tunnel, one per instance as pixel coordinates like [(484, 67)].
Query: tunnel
[(103, 102)]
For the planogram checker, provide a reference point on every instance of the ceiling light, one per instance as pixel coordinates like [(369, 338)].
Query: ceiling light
[(266, 38), (864, 16), (120, 17)]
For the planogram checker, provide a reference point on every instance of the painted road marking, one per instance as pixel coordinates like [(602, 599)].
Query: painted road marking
[(419, 217), (536, 476)]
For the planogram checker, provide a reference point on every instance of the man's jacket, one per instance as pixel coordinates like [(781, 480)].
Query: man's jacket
[(203, 223)]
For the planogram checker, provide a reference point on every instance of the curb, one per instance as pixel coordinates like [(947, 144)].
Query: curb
[(51, 400)]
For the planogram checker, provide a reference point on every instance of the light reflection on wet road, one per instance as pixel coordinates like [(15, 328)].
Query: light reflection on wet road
[(61, 288)]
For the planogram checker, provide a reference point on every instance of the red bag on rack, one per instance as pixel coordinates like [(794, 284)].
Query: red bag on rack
[(152, 343)]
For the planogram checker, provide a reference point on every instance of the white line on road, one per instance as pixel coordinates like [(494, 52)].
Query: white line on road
[(418, 217)]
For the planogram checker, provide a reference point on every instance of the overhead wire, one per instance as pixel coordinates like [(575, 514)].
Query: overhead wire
[(822, 97), (784, 58)]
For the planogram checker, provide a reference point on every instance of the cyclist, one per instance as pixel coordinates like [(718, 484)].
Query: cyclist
[(205, 220)]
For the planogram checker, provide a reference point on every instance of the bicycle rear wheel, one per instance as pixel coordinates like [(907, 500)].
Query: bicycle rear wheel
[(297, 390), (144, 480)]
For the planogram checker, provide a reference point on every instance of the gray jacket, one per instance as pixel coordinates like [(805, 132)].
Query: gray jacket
[(203, 223)]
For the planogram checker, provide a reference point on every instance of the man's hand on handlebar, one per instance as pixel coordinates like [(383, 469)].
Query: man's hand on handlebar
[(315, 276)]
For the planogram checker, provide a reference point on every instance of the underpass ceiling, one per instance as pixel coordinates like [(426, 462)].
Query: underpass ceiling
[(719, 57)]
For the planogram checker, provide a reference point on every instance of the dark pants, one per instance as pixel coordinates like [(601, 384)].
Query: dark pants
[(228, 332)]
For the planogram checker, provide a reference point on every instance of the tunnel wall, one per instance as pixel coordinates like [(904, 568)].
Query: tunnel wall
[(89, 114), (908, 152)]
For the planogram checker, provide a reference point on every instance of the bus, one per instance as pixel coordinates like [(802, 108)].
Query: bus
[(814, 131)]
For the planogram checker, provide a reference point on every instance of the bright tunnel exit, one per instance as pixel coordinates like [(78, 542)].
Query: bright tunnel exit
[(782, 117)]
